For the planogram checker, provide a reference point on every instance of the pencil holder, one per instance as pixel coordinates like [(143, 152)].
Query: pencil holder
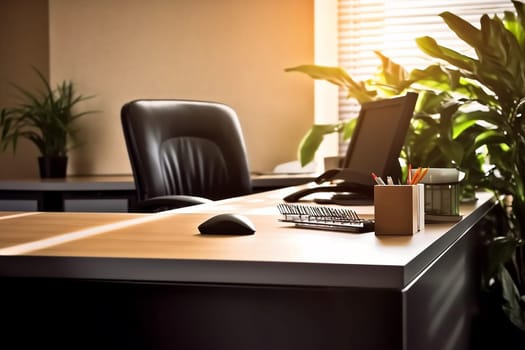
[(399, 209)]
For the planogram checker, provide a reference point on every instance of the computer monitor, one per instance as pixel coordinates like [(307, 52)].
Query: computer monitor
[(375, 146), (377, 140)]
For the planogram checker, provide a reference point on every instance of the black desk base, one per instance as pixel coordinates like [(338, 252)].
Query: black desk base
[(170, 316)]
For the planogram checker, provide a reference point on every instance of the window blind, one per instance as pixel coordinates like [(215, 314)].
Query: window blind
[(391, 26)]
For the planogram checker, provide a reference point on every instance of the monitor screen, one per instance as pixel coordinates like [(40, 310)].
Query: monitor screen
[(375, 146), (378, 137)]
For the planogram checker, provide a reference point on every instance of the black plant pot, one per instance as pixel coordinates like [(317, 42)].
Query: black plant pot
[(52, 166)]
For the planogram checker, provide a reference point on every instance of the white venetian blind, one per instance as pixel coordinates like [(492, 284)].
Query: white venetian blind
[(391, 26)]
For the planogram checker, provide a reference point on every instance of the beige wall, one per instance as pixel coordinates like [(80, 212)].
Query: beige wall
[(24, 42), (232, 51)]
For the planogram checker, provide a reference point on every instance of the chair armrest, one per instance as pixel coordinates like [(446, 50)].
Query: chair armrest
[(161, 203)]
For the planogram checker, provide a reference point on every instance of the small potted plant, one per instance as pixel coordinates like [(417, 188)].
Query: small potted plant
[(46, 118)]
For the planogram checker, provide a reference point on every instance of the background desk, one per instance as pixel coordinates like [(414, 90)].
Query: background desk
[(100, 193), (151, 281)]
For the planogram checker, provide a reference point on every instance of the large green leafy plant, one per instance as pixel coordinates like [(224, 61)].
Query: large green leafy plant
[(44, 117), (491, 96), (470, 116)]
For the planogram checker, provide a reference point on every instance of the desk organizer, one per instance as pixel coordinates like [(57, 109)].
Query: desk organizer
[(442, 199), (442, 194), (399, 209)]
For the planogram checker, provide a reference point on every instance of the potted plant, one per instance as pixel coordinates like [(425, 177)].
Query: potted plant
[(470, 115), (490, 91), (46, 118)]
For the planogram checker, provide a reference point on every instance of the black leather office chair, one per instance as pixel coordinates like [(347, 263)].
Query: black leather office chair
[(184, 152)]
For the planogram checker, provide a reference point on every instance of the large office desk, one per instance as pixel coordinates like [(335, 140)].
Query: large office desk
[(106, 193), (151, 281)]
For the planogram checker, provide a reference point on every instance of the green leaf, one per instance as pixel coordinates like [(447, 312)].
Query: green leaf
[(463, 29), (501, 59), (391, 77), (311, 141), (334, 75), (520, 11), (490, 137), (430, 102), (490, 116), (500, 251), (339, 77), (512, 300), (461, 125), (429, 46), (449, 80), (348, 128), (513, 25)]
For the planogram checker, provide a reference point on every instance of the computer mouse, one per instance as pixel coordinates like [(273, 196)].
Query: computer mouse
[(227, 224)]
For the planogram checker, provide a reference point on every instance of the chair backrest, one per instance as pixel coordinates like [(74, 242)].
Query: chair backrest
[(183, 147)]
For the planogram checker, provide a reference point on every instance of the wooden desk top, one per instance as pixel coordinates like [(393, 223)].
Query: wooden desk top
[(168, 247), (5, 215), (23, 232)]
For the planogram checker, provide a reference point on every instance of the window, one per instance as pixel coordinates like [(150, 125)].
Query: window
[(391, 26)]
